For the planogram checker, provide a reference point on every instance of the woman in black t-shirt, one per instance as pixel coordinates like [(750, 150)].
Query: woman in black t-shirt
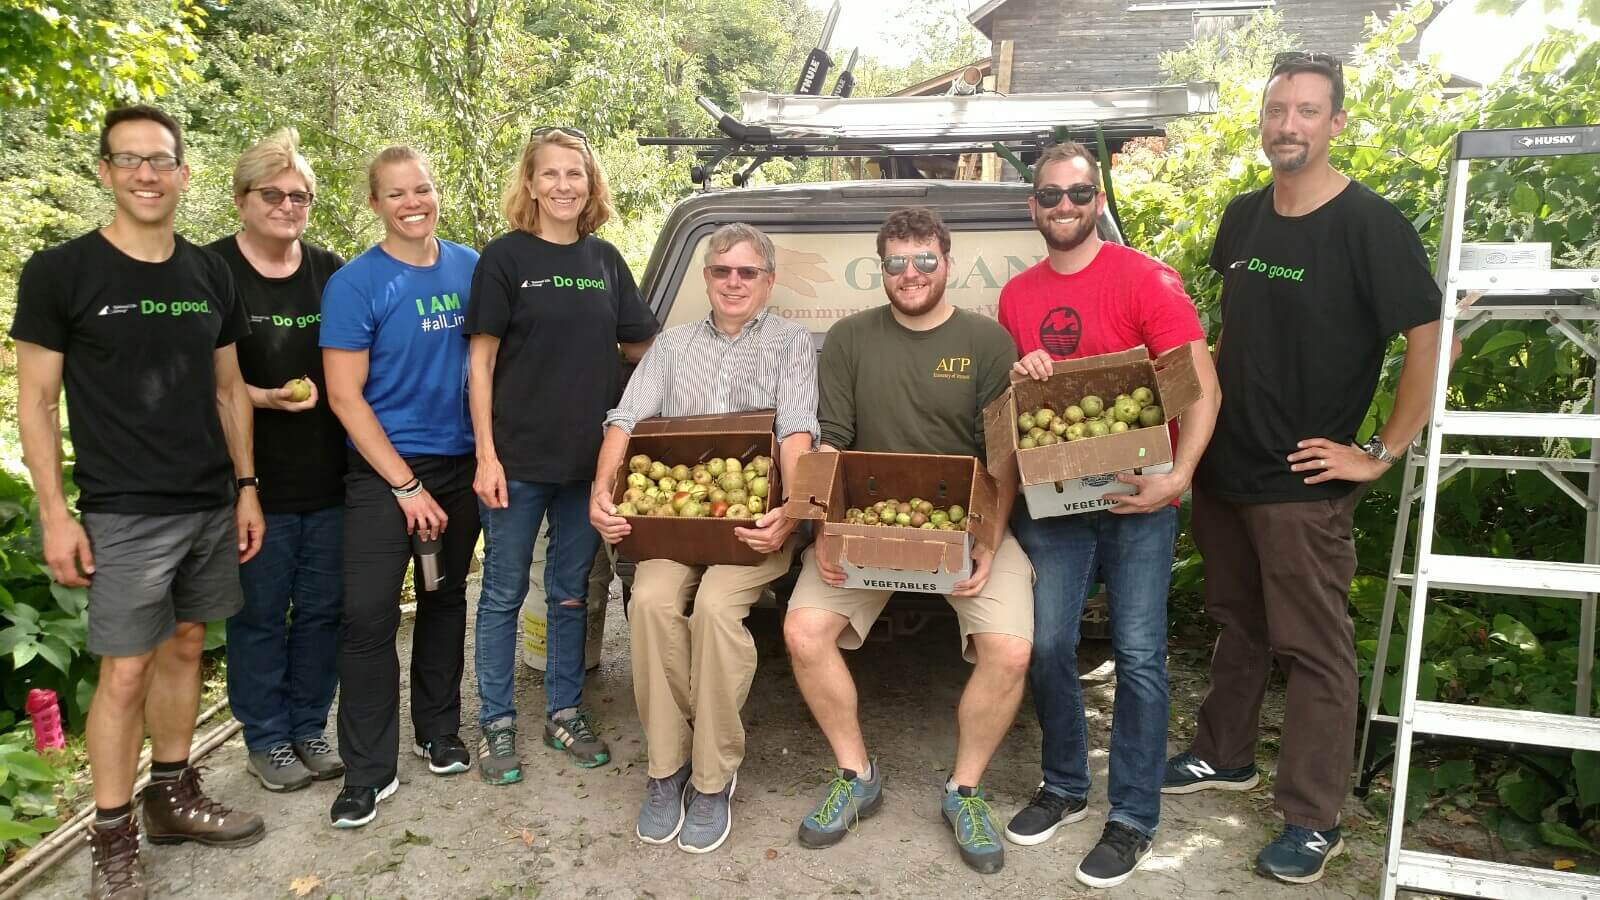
[(551, 302), (281, 671)]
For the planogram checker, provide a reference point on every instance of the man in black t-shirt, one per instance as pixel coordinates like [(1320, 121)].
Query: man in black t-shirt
[(1319, 273), (140, 325)]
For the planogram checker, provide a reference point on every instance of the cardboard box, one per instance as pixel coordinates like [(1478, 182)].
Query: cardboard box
[(1072, 477), (691, 440), (825, 484)]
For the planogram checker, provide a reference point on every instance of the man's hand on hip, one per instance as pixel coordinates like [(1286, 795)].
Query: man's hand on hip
[(1329, 461)]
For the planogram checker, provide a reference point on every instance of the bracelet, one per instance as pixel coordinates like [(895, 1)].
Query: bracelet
[(408, 490)]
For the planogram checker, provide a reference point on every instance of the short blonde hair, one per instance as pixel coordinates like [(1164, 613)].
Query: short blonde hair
[(275, 153), (394, 153), (522, 211)]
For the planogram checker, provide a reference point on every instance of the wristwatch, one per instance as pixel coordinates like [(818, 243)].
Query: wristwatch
[(1375, 448), (248, 481)]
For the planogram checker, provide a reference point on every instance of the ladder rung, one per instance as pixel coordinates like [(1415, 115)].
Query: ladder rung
[(1479, 878), (1514, 726), (1520, 577), (1520, 424), (1491, 461), (1531, 311), (1525, 279)]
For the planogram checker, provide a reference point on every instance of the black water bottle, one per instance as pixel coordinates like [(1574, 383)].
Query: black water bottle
[(430, 568)]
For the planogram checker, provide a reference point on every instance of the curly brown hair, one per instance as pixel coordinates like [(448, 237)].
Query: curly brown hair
[(914, 223)]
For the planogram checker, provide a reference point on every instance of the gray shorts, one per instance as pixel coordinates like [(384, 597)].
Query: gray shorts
[(152, 572)]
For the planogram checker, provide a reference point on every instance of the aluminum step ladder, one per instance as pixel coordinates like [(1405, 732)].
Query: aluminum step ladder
[(1566, 300)]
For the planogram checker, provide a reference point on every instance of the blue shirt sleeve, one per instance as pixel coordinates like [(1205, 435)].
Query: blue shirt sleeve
[(348, 322)]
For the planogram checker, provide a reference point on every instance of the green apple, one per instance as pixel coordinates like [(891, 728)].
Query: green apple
[(639, 464), (1144, 395)]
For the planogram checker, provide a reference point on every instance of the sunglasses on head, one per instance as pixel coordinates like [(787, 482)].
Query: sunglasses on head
[(927, 262), (1291, 58), (746, 273), (1079, 194), (562, 129)]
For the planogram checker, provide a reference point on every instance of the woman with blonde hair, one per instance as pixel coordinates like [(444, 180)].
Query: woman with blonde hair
[(551, 302), (281, 645), (397, 373)]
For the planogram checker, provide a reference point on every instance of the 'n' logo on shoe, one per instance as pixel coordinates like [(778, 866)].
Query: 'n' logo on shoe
[(1318, 844), (1200, 768)]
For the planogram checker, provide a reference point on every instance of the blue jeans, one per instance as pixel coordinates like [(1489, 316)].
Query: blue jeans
[(1133, 554), (282, 645), (508, 536)]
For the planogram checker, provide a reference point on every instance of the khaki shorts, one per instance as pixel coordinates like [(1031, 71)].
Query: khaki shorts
[(1004, 607)]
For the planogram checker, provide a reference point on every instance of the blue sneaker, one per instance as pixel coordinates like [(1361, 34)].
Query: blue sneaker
[(980, 845), (1299, 855), (849, 800), (1187, 773)]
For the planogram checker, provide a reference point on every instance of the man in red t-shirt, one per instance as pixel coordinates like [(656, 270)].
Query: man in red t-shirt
[(1085, 298)]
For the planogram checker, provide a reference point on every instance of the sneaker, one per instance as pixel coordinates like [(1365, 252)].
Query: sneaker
[(1299, 855), (661, 816), (446, 755), (317, 755), (498, 762), (177, 810), (708, 818), (1187, 773), (356, 806), (850, 799), (278, 768), (968, 815), (1047, 811), (574, 735), (115, 873), (1120, 851)]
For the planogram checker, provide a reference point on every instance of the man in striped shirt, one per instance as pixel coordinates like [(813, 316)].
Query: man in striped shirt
[(691, 674)]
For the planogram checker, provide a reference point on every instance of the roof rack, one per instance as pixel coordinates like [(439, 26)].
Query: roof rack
[(795, 126)]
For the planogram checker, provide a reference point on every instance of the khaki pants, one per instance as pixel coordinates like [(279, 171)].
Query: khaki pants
[(691, 674)]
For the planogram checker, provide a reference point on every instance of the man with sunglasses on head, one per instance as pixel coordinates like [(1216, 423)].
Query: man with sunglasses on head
[(1319, 273), (692, 673), (913, 376), (1089, 297), (140, 326)]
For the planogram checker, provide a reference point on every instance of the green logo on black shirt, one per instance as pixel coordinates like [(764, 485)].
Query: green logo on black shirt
[(173, 308), (1256, 264)]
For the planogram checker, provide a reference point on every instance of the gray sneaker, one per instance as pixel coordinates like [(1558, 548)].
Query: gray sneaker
[(498, 762), (707, 818), (319, 756), (661, 816), (850, 799), (278, 768)]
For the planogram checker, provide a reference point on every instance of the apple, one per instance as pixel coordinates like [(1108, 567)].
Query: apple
[(756, 504), (757, 486), (719, 509), (658, 471), (299, 390), (639, 464), (680, 500)]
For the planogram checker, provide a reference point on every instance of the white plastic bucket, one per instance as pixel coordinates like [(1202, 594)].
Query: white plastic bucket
[(534, 626)]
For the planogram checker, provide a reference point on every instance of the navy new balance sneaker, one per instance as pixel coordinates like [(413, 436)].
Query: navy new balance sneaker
[(1187, 773), (1299, 855)]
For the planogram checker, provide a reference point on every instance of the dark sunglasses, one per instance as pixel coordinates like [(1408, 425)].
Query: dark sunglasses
[(562, 129), (273, 196), (927, 262), (746, 273), (161, 162), (1289, 58), (1079, 194)]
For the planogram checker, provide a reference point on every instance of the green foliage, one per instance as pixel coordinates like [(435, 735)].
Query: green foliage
[(28, 804)]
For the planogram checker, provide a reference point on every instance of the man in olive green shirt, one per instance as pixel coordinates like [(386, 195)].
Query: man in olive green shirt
[(913, 377)]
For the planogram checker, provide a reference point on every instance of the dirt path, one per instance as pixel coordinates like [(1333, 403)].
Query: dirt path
[(567, 832)]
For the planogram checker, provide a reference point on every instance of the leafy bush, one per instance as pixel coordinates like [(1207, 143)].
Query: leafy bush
[(28, 804)]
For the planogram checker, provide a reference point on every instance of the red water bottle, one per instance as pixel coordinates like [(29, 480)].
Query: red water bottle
[(45, 714)]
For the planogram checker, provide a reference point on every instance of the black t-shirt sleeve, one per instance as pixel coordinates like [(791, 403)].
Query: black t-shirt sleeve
[(635, 322), (1394, 273), (41, 316), (235, 319), (492, 292)]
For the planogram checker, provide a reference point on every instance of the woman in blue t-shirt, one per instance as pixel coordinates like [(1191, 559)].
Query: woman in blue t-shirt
[(551, 302), (396, 367)]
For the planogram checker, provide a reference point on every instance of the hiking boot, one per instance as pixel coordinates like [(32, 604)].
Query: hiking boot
[(278, 768), (850, 799), (661, 816), (446, 755), (968, 815), (708, 818), (356, 806), (317, 755), (1046, 812), (115, 873), (1120, 851), (1299, 855), (498, 762), (1187, 773), (177, 810), (574, 735)]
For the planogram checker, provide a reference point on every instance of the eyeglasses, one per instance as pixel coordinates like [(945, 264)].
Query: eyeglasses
[(273, 196), (161, 162), (746, 273), (561, 129), (1079, 194), (927, 262)]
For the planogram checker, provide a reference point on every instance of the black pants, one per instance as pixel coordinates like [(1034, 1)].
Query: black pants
[(376, 553)]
